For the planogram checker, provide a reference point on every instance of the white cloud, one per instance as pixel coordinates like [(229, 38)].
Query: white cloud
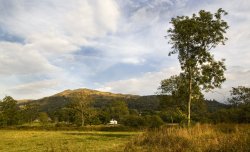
[(20, 59), (133, 60), (50, 32), (59, 26), (30, 88), (146, 84)]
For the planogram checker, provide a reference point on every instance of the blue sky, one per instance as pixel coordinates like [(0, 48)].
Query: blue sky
[(109, 45)]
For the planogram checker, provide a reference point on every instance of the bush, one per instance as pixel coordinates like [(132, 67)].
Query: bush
[(134, 121), (43, 118), (176, 116), (154, 121), (143, 121)]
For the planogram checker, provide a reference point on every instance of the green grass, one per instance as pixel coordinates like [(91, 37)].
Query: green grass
[(199, 138), (63, 141)]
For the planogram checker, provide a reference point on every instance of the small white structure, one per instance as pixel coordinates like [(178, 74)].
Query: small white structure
[(113, 122)]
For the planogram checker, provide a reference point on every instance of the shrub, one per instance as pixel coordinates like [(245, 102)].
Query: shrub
[(153, 121), (176, 116), (134, 121)]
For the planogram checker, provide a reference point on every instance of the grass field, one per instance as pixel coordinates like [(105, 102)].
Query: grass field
[(63, 141), (199, 138)]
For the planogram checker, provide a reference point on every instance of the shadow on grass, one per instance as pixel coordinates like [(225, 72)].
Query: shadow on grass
[(113, 135)]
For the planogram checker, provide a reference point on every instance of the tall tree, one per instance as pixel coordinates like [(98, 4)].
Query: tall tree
[(192, 38), (82, 106), (43, 118), (29, 112), (118, 110), (8, 111), (175, 88)]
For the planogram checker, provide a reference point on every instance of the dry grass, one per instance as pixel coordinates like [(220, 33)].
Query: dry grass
[(199, 138)]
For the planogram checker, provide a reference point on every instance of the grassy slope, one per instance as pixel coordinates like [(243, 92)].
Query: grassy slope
[(51, 103), (141, 103), (72, 141)]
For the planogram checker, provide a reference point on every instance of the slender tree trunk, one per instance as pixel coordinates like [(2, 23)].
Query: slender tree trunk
[(82, 120), (189, 99)]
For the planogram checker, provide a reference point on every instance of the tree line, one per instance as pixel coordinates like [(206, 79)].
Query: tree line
[(81, 110)]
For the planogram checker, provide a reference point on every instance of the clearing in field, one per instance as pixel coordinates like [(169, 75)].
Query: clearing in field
[(71, 141)]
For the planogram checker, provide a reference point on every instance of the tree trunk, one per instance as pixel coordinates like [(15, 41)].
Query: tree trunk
[(189, 99), (82, 120)]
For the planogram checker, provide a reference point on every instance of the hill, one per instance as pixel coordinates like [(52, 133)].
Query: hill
[(101, 99), (59, 100)]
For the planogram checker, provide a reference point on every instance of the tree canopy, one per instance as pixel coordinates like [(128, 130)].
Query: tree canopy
[(8, 111), (240, 96), (192, 38)]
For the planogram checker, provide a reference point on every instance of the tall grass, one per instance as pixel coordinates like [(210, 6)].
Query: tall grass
[(223, 137)]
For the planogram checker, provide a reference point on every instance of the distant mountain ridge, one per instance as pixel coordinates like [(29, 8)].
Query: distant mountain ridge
[(141, 103), (69, 93), (60, 99)]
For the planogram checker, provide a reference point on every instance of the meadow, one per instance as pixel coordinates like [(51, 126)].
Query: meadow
[(198, 138), (63, 141)]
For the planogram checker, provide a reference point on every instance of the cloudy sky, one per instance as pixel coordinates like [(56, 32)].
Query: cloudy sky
[(48, 46)]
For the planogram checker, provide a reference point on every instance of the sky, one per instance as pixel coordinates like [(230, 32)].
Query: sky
[(109, 45)]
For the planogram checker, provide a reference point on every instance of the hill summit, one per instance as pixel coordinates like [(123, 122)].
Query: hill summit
[(84, 91)]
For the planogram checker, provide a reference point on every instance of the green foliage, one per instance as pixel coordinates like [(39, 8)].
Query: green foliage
[(173, 116), (131, 112), (65, 114), (176, 87), (58, 106), (8, 111), (81, 106), (29, 112), (154, 121), (143, 103), (240, 96), (43, 118), (192, 38), (147, 121), (238, 110), (91, 117), (117, 110), (135, 121)]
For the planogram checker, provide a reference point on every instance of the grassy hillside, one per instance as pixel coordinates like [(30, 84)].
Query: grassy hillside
[(141, 103), (59, 100)]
